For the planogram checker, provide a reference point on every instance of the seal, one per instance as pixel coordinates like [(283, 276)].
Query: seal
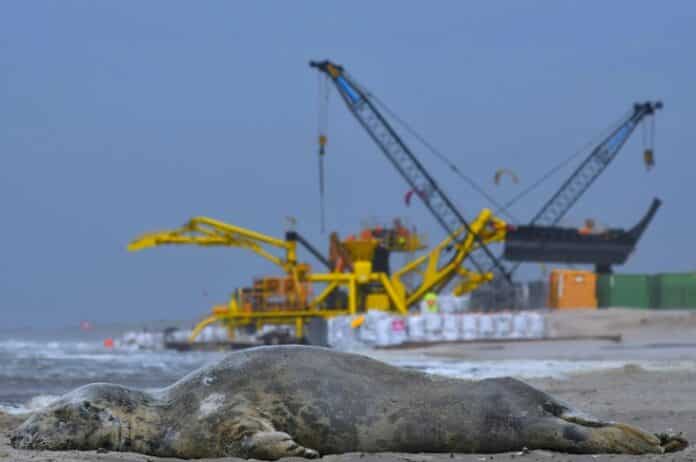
[(273, 402)]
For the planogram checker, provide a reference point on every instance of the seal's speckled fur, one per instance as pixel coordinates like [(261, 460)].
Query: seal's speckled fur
[(273, 402)]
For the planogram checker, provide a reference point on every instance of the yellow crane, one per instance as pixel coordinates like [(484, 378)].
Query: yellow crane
[(290, 300)]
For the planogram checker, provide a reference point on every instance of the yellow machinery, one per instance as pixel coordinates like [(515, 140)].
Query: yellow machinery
[(352, 284)]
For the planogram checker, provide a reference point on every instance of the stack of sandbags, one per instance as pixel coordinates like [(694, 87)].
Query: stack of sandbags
[(380, 328)]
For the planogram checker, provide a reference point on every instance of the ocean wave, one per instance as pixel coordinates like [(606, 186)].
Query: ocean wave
[(529, 369), (33, 404)]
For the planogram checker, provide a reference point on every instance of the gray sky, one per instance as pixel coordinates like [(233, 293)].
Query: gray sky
[(123, 117)]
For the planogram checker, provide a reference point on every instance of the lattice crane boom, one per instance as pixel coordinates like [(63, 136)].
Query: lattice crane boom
[(406, 163), (592, 167)]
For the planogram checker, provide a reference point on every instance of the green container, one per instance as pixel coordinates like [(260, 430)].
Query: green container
[(675, 290), (625, 290)]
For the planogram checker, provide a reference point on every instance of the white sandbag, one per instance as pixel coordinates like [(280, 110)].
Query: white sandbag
[(469, 326), (450, 327), (433, 327), (415, 326), (486, 326), (336, 332), (519, 325), (399, 333), (503, 325), (368, 331), (367, 335), (536, 326), (383, 332), (433, 322)]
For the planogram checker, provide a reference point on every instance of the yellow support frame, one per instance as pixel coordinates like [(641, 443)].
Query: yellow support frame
[(434, 274)]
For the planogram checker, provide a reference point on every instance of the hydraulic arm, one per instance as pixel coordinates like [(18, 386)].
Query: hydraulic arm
[(401, 157)]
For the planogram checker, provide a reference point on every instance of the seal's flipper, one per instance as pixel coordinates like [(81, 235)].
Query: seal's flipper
[(273, 446), (592, 437), (672, 442), (623, 439)]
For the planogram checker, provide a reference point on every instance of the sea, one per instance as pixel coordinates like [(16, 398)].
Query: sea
[(37, 366)]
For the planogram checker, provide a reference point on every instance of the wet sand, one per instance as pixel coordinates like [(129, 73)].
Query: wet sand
[(656, 400)]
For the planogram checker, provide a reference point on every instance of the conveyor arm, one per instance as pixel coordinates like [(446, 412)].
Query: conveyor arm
[(205, 231)]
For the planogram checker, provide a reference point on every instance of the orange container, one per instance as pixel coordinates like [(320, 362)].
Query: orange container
[(572, 289)]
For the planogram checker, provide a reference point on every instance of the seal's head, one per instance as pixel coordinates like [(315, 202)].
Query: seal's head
[(91, 417)]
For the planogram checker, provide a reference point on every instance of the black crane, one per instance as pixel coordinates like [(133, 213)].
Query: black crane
[(403, 159), (542, 241), (592, 167), (539, 241)]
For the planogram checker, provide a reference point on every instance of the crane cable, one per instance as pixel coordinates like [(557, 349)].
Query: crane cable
[(553, 170), (504, 209), (322, 126), (448, 162), (649, 143)]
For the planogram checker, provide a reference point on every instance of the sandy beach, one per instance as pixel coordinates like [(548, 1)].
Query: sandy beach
[(649, 382)]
